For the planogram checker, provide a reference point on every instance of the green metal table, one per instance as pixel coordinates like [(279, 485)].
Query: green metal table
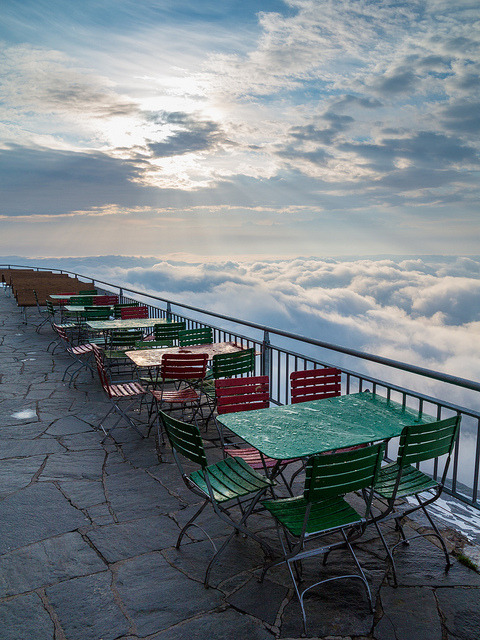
[(130, 323), (307, 428)]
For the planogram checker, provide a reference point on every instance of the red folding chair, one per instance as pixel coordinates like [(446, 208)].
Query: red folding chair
[(128, 391), (187, 370), (247, 394), (134, 312), (105, 300)]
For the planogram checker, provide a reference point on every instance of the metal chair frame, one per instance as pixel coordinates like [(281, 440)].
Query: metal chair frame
[(418, 443), (76, 352), (227, 484), (304, 521), (130, 391)]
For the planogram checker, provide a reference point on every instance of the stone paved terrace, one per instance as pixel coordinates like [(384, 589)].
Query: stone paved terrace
[(87, 534)]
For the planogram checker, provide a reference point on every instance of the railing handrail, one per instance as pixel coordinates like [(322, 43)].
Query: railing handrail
[(389, 362)]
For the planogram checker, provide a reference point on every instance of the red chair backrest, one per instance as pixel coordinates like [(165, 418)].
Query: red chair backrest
[(242, 394), (314, 384), (134, 312), (105, 300), (184, 366)]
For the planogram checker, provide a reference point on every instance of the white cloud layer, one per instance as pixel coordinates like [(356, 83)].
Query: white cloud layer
[(422, 311)]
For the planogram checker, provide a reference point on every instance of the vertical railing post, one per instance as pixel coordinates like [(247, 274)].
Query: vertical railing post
[(169, 311), (266, 355), (120, 295)]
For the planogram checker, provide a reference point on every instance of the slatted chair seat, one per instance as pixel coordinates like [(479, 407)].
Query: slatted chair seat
[(126, 389), (227, 485), (81, 349)]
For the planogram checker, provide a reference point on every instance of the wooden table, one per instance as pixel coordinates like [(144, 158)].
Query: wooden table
[(307, 428), (80, 308), (153, 357)]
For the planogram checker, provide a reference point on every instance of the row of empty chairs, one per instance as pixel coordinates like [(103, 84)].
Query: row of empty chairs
[(244, 475)]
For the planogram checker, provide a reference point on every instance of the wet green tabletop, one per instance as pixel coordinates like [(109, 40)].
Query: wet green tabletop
[(307, 428), (130, 323)]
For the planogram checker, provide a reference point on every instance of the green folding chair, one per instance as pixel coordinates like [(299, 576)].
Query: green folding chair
[(399, 479), (228, 484), (304, 521), (120, 341), (189, 337), (167, 333)]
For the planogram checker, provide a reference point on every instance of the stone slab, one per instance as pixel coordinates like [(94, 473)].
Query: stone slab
[(133, 493), (24, 618), (83, 493), (461, 609), (38, 512), (47, 562), (18, 473), (158, 596), (261, 600), (86, 608), (228, 625), (128, 539), (83, 465), (68, 425), (410, 613), (23, 448)]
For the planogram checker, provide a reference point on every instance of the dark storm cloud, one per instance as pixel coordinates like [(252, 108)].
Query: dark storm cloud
[(425, 149), (463, 117), (45, 181), (193, 135), (400, 80)]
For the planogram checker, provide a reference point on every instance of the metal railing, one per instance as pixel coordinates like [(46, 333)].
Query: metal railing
[(292, 352)]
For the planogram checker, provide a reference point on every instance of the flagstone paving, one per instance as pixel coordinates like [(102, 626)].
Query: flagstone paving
[(88, 532)]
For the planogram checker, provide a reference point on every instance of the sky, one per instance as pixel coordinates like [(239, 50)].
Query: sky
[(239, 130)]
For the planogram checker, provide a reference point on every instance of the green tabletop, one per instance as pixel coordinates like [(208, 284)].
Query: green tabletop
[(130, 323), (307, 428)]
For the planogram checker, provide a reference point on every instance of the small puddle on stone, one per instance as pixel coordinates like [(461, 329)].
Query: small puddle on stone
[(23, 415)]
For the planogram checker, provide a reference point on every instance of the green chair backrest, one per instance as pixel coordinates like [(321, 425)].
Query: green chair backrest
[(150, 344), (339, 473), (81, 300), (50, 308), (88, 292), (96, 313), (168, 331), (185, 439), (121, 338), (189, 337), (420, 442), (227, 365)]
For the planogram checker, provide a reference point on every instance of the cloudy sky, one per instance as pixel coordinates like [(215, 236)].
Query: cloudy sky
[(245, 129)]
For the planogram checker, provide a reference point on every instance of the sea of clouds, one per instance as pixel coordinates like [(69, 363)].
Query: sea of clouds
[(420, 310)]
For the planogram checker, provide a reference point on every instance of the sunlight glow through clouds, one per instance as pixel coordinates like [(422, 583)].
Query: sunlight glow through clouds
[(360, 112)]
